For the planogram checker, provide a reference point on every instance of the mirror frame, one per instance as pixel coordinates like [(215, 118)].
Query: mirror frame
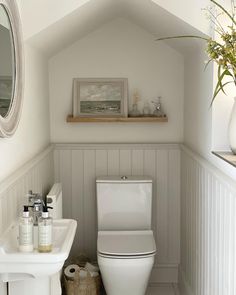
[(9, 123)]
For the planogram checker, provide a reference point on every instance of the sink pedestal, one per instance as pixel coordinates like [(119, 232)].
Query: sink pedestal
[(38, 286)]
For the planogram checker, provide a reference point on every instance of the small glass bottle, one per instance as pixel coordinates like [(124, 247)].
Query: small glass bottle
[(158, 109), (45, 231), (146, 109), (134, 112)]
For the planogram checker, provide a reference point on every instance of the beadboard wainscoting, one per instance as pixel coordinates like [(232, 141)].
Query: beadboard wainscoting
[(76, 167), (37, 174), (208, 222)]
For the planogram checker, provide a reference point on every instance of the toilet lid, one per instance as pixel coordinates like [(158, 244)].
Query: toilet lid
[(126, 243)]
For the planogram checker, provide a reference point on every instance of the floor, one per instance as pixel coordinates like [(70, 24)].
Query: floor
[(163, 289), (154, 289)]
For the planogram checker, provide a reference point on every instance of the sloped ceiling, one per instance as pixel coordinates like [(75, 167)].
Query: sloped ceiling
[(37, 15), (94, 13), (74, 26)]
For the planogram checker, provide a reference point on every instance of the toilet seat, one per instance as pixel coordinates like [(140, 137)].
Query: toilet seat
[(126, 244)]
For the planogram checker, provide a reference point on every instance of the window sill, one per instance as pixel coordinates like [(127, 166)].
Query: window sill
[(228, 157)]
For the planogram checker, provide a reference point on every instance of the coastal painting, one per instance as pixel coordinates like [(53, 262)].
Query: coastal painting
[(5, 94), (100, 97)]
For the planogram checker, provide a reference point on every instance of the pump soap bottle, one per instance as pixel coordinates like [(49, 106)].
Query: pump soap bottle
[(45, 231), (26, 243)]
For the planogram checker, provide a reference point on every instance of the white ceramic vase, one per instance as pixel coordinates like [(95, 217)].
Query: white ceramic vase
[(232, 128)]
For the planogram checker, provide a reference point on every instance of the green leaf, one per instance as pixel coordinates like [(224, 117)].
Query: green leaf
[(219, 85), (180, 37), (217, 91), (228, 73), (187, 36), (224, 10), (206, 65), (220, 77)]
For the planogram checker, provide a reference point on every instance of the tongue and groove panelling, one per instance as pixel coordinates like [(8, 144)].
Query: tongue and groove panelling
[(78, 165), (208, 224)]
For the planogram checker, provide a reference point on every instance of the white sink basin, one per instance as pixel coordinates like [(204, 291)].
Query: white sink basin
[(15, 265)]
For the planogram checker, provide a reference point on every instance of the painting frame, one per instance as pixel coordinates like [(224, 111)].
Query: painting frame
[(100, 97)]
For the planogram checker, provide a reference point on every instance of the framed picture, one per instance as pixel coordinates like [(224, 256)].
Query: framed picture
[(103, 97)]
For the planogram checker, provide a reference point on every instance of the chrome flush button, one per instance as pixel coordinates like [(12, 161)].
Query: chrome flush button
[(124, 177)]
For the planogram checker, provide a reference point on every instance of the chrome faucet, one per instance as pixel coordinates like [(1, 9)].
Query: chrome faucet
[(36, 204)]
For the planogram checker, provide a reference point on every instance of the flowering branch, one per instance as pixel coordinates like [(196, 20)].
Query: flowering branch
[(223, 53)]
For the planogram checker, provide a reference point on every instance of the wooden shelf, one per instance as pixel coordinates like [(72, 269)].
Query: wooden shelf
[(71, 119), (228, 157)]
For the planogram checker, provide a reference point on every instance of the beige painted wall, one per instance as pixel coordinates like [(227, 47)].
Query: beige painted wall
[(32, 134), (118, 49), (197, 111)]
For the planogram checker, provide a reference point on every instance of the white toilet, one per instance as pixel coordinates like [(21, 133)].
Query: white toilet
[(125, 247)]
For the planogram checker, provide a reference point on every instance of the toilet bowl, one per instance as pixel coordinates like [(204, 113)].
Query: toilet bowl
[(125, 246), (126, 259)]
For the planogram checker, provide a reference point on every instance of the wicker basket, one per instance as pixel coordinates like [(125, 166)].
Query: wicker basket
[(83, 286)]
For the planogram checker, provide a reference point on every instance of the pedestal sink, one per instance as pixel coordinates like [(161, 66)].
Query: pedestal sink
[(32, 273)]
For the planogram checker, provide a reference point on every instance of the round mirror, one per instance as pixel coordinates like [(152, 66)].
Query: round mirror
[(11, 67), (7, 61)]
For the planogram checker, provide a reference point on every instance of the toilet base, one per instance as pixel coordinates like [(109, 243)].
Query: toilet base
[(127, 276)]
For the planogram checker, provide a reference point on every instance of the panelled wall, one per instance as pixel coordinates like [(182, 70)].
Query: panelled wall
[(208, 229), (37, 174), (76, 167)]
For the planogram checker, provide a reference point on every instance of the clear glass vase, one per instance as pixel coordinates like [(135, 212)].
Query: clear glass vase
[(134, 112)]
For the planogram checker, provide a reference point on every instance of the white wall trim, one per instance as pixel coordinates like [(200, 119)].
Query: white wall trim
[(102, 146), (23, 169), (216, 172)]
